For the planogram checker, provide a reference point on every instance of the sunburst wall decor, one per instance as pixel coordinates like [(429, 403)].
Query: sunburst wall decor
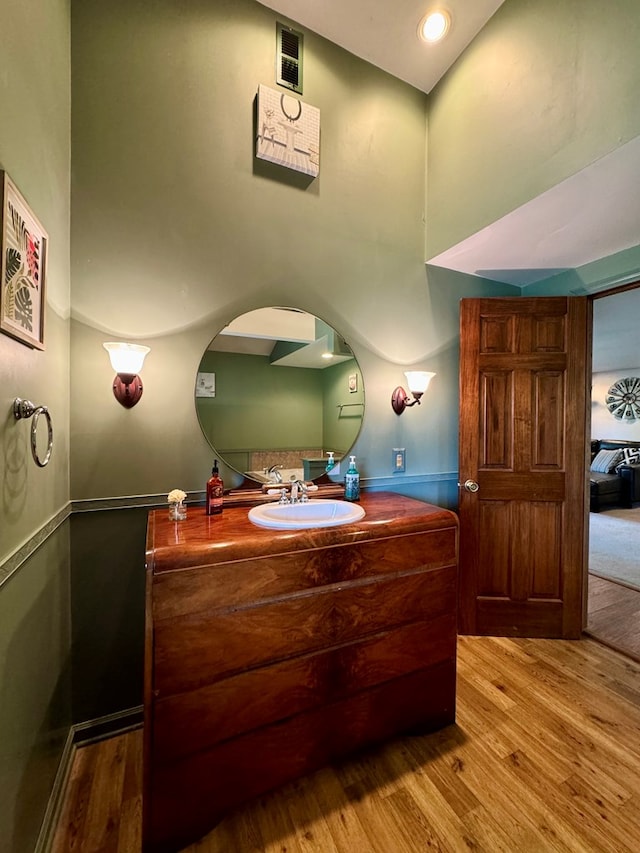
[(623, 399)]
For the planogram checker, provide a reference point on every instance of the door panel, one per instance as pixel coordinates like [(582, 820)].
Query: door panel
[(548, 420), (523, 416), (497, 416)]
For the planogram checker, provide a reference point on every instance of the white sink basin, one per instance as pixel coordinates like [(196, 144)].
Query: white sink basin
[(314, 513)]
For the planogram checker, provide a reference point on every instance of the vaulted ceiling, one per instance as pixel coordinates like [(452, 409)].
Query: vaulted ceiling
[(591, 215)]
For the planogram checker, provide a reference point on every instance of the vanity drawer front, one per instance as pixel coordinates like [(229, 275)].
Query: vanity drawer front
[(193, 721), (244, 581), (189, 795), (193, 651)]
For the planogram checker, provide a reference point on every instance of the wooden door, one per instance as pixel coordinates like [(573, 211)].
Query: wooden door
[(524, 366)]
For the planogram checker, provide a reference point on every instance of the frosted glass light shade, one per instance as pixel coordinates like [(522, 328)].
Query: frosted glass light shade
[(126, 358), (418, 380)]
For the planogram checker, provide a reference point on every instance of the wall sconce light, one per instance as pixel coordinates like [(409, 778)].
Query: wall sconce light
[(126, 360), (418, 381)]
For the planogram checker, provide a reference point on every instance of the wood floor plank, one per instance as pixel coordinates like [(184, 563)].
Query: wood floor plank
[(383, 833), (544, 758), (614, 614), (587, 744), (370, 770), (572, 816), (413, 822), (439, 816), (309, 821), (530, 821), (239, 830), (481, 717), (347, 831), (565, 695), (272, 821), (69, 835), (451, 787), (104, 810)]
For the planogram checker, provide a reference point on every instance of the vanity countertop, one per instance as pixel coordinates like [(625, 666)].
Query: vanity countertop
[(208, 540)]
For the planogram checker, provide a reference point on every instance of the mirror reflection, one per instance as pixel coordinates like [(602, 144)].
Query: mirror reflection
[(277, 391)]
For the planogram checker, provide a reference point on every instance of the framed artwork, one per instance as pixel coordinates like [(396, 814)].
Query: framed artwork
[(353, 383), (206, 385), (23, 268), (288, 131)]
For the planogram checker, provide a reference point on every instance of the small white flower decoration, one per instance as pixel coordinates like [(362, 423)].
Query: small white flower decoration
[(176, 496)]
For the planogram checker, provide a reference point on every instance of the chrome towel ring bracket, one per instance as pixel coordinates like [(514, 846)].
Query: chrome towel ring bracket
[(25, 409)]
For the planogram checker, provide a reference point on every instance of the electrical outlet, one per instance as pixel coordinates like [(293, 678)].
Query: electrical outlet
[(398, 460)]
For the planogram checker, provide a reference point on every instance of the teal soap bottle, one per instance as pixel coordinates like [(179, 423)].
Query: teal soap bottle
[(352, 481), (330, 462)]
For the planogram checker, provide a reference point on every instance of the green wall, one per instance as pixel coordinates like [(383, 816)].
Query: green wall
[(177, 228), (544, 90), (35, 688), (260, 407), (342, 412), (35, 632), (107, 608), (34, 150)]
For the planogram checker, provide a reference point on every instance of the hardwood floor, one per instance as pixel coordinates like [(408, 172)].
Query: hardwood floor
[(544, 756), (614, 615)]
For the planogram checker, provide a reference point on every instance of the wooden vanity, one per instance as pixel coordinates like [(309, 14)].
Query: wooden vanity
[(272, 653)]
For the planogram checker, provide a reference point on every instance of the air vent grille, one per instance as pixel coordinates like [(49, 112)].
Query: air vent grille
[(289, 58), (290, 44)]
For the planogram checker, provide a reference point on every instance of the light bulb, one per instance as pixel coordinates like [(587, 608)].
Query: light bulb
[(434, 26)]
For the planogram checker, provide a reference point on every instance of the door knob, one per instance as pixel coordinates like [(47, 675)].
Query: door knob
[(471, 485)]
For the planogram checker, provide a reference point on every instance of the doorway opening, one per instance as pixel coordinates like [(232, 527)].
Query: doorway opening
[(613, 580)]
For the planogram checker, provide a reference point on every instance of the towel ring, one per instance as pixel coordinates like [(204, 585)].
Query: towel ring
[(26, 409)]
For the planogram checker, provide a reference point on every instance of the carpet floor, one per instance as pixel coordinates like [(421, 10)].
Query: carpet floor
[(614, 545)]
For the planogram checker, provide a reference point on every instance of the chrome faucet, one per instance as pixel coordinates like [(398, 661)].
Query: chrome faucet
[(299, 485), (274, 474)]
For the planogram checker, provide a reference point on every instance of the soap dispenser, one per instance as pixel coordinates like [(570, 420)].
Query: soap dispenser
[(352, 481), (330, 461), (215, 491)]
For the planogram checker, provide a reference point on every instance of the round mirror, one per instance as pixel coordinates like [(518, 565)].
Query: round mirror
[(277, 391)]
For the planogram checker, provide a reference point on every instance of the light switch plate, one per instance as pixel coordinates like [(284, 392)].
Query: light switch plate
[(398, 460)]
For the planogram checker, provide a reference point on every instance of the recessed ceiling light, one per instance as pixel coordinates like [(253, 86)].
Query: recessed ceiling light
[(434, 26)]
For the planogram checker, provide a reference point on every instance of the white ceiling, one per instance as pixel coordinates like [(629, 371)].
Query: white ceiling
[(385, 32), (257, 332)]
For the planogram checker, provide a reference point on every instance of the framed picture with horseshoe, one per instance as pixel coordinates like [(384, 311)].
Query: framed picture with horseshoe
[(288, 131), (22, 269)]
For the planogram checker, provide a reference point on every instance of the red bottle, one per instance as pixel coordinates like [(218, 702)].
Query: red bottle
[(215, 490)]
